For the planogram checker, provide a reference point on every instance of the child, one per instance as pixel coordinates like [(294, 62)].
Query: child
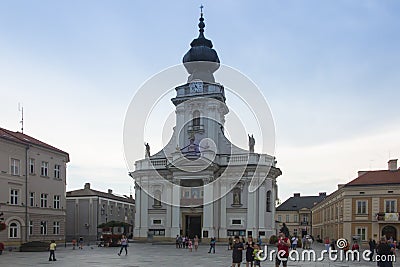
[(190, 245), (52, 250), (257, 260)]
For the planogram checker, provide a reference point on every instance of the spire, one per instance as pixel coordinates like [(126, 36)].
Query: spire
[(201, 40), (201, 51), (202, 25)]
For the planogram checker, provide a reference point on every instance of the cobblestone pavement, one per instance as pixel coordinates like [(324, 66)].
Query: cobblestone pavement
[(147, 255)]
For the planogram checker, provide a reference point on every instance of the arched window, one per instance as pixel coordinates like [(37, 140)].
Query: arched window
[(196, 118), (13, 230), (157, 198), (237, 196), (269, 201)]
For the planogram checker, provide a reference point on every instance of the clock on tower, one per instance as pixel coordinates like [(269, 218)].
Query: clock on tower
[(196, 87)]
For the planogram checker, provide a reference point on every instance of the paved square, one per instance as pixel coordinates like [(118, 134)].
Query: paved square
[(145, 255)]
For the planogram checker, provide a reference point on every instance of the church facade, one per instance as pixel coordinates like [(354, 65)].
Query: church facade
[(198, 184)]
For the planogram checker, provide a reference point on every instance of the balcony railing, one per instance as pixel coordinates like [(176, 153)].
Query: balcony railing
[(388, 216), (223, 160)]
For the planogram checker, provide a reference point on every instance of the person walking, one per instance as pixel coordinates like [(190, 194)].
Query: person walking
[(372, 247), (384, 251), (1, 247), (259, 241), (294, 242), (80, 242), (190, 246), (283, 250), (249, 251), (180, 240), (212, 245), (52, 249), (230, 243), (177, 241), (237, 255), (186, 242), (196, 243), (327, 244), (257, 260), (124, 245)]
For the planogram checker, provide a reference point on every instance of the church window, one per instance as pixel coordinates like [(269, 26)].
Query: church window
[(196, 118), (269, 202), (157, 198)]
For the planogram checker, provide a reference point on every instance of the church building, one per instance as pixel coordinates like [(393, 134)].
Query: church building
[(198, 184)]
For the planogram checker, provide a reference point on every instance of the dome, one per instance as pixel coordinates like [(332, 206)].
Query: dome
[(201, 61)]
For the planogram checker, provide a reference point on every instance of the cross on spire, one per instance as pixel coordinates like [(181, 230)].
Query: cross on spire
[(201, 9)]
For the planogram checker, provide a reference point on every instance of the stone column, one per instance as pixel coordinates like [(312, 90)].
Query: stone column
[(262, 207), (138, 192), (208, 209), (175, 210), (222, 229), (144, 206), (251, 211)]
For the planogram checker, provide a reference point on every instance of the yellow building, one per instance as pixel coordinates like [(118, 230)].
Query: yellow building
[(366, 207), (32, 189)]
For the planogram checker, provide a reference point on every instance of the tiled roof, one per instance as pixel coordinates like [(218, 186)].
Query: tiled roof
[(90, 192), (27, 140), (376, 178), (297, 203)]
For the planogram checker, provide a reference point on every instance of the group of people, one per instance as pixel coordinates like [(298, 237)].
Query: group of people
[(186, 242), (250, 247), (231, 241)]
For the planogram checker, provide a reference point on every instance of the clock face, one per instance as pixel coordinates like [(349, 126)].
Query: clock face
[(196, 87)]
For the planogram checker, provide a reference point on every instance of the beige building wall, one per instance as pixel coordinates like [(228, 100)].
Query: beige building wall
[(327, 222), (18, 181)]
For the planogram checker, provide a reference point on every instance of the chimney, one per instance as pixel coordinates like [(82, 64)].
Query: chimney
[(110, 191), (296, 194), (322, 194), (87, 186), (392, 165)]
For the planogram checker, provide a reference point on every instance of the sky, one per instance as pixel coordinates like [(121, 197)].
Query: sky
[(328, 69)]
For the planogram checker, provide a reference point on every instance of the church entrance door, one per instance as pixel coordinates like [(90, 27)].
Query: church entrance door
[(193, 225)]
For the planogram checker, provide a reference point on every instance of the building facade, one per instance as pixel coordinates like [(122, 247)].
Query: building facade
[(32, 189), (88, 208), (366, 207), (295, 212), (178, 189)]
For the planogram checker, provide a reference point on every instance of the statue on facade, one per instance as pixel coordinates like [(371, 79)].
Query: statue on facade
[(252, 142), (147, 152), (236, 197)]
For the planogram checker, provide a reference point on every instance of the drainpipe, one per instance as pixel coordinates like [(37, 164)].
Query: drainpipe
[(26, 194)]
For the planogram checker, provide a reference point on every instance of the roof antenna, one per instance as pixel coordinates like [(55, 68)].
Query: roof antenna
[(21, 109)]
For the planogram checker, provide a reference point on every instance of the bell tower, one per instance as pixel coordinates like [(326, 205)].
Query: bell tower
[(200, 103)]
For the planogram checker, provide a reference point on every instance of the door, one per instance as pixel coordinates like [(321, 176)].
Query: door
[(193, 226)]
